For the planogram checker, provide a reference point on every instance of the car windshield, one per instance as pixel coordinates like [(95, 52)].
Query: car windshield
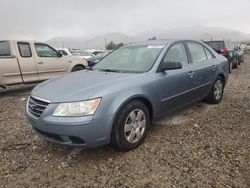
[(130, 59), (216, 45), (81, 53)]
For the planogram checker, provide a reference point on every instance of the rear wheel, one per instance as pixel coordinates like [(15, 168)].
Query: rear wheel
[(217, 91), (235, 63), (230, 66), (130, 126)]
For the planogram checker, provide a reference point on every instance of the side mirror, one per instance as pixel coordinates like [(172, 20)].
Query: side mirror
[(170, 66), (59, 54)]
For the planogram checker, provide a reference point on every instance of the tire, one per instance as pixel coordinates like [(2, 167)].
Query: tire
[(230, 66), (135, 118), (217, 91), (77, 68), (236, 63)]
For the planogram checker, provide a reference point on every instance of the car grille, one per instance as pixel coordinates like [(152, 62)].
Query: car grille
[(36, 106)]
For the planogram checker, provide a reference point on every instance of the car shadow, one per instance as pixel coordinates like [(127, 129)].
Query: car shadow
[(16, 90)]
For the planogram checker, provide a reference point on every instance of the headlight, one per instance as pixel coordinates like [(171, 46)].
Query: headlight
[(82, 108)]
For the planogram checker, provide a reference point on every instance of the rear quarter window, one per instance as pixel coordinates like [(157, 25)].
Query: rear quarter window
[(5, 49), (24, 49), (197, 52)]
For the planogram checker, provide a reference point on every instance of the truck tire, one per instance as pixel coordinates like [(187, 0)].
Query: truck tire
[(77, 68)]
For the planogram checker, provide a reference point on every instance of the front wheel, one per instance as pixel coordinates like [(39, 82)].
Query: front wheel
[(217, 91), (77, 68), (130, 126)]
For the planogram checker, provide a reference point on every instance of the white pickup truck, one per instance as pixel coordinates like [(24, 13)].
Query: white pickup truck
[(24, 62)]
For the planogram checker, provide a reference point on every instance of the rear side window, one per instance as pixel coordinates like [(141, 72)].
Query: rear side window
[(208, 53), (5, 48), (44, 50), (177, 53), (197, 52), (24, 49), (216, 45)]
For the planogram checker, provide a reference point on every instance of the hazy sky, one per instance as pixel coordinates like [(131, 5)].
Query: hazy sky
[(44, 19)]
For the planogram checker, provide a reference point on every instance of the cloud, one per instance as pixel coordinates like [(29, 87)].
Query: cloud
[(43, 19)]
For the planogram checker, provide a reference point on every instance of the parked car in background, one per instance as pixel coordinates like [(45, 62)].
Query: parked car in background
[(24, 62), (117, 101), (64, 52), (240, 53), (95, 59), (88, 55), (225, 48)]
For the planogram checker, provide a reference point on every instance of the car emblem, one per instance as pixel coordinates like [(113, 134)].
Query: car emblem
[(33, 106)]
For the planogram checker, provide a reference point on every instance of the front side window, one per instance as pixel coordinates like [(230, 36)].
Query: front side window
[(177, 53), (24, 49), (5, 48), (44, 50), (197, 52), (135, 58)]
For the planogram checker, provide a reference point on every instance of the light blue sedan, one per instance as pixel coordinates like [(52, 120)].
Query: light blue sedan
[(117, 101)]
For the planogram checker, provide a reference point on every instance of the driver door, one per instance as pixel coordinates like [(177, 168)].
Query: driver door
[(175, 84), (49, 63)]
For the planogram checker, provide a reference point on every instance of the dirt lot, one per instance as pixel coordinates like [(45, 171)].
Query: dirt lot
[(201, 146)]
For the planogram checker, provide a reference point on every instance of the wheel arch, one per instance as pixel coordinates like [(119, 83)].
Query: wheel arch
[(140, 98), (78, 65), (223, 77)]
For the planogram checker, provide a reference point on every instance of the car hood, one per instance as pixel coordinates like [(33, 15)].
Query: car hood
[(81, 85)]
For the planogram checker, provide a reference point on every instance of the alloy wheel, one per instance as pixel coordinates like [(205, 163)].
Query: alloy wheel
[(135, 125), (218, 89)]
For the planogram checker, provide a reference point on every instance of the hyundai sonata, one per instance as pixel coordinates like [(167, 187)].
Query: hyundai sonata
[(117, 100)]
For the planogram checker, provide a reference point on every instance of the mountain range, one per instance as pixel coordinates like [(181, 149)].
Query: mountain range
[(197, 33)]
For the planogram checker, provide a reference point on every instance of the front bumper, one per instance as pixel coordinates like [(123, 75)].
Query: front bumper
[(84, 132)]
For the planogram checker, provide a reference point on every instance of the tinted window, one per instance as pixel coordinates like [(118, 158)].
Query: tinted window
[(177, 53), (24, 49), (216, 45), (5, 48), (208, 53), (197, 52), (44, 50)]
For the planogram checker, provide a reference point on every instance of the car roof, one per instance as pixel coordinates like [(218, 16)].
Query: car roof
[(159, 42)]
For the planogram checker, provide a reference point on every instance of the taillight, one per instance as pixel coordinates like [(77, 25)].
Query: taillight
[(225, 51)]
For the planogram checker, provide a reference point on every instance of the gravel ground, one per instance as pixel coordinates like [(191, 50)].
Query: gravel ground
[(201, 146)]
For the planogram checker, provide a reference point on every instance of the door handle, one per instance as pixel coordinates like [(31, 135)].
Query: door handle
[(213, 67), (40, 63), (191, 74)]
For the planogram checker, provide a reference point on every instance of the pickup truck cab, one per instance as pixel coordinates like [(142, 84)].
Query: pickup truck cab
[(24, 62)]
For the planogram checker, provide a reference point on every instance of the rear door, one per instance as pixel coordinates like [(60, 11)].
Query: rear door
[(49, 64), (27, 62), (9, 69), (204, 67)]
